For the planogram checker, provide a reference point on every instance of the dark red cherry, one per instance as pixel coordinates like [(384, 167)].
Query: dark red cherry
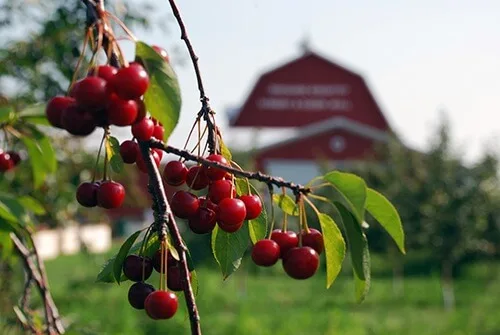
[(204, 202), (203, 221), (196, 178), (134, 265), (14, 157), (129, 150), (77, 121), (214, 173), (221, 189), (110, 194), (171, 261), (55, 108), (174, 282), (159, 132), (184, 204), (138, 293), (265, 252), (86, 194), (161, 305), (143, 130), (253, 206), (231, 211), (313, 239), (6, 163), (301, 262), (286, 240), (162, 52), (91, 92), (106, 72), (129, 83), (175, 173), (141, 164), (121, 112), (141, 110), (230, 228)]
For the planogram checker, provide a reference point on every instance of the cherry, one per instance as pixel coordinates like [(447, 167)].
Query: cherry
[(133, 267), (110, 194), (91, 92), (196, 178), (184, 204), (122, 112), (143, 130), (86, 194), (100, 117), (301, 262), (106, 72), (138, 293), (285, 239), (6, 162), (55, 108), (231, 211), (159, 132), (230, 228), (159, 152), (265, 252), (14, 157), (221, 189), (77, 121), (141, 164), (161, 305), (171, 261), (203, 221), (313, 239), (253, 206), (130, 82), (204, 202), (162, 52), (175, 173), (129, 150), (174, 282), (141, 110), (215, 173)]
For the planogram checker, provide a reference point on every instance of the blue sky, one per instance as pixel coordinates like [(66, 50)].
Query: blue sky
[(418, 57)]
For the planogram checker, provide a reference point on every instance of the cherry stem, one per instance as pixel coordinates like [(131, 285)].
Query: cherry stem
[(98, 156), (82, 54), (141, 252), (271, 193)]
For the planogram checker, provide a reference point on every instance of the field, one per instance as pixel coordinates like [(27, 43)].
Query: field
[(268, 302)]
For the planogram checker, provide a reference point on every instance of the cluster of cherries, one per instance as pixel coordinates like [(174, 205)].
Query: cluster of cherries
[(159, 304), (8, 160), (108, 96), (299, 262), (219, 206)]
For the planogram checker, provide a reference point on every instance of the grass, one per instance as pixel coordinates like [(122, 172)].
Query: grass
[(268, 302)]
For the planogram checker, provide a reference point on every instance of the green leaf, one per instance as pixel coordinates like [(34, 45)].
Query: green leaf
[(225, 151), (334, 247), (6, 113), (385, 213), (286, 203), (8, 226), (106, 274), (113, 152), (350, 191), (228, 248), (163, 97), (360, 255), (32, 205), (6, 213), (194, 282), (6, 244), (35, 114), (41, 154), (257, 227), (45, 145), (37, 119), (122, 254)]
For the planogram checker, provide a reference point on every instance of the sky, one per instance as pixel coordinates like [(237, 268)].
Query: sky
[(418, 58)]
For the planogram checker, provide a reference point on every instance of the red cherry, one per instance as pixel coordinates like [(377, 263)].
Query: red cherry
[(55, 108), (171, 261), (91, 92), (161, 305), (134, 266), (231, 211), (106, 72), (86, 194), (162, 52), (184, 204), (159, 152), (110, 194), (143, 130), (14, 157), (175, 173), (141, 164), (122, 112), (265, 252), (204, 202), (230, 228), (314, 240), (253, 206), (129, 150), (6, 163), (221, 189), (159, 132), (286, 240), (174, 281), (301, 262), (129, 83), (203, 221), (138, 293), (141, 110), (215, 173), (77, 121), (196, 178)]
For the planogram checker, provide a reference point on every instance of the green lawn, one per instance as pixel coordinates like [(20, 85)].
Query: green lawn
[(271, 303)]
